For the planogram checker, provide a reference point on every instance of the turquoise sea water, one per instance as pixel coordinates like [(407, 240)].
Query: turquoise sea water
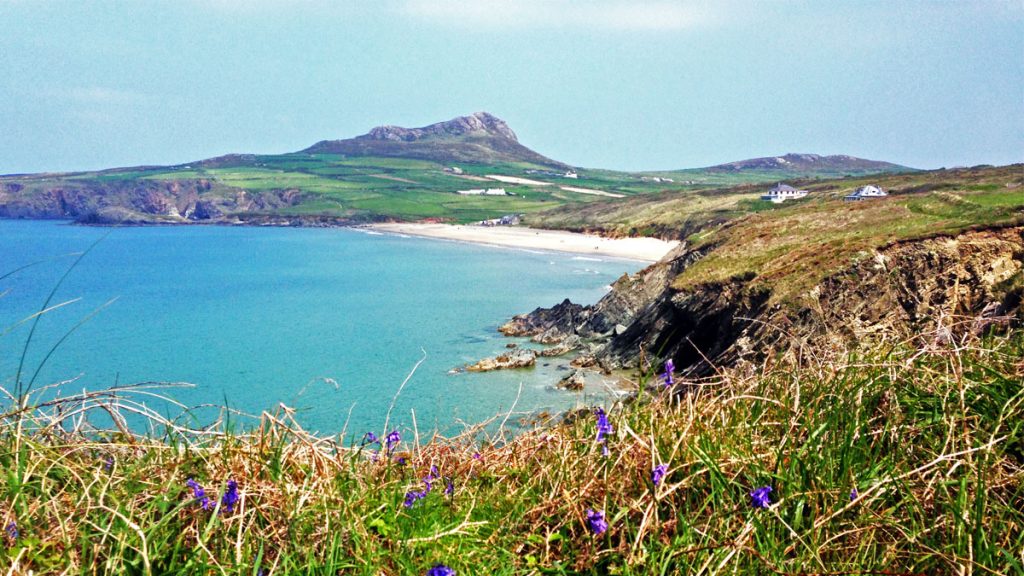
[(261, 316)]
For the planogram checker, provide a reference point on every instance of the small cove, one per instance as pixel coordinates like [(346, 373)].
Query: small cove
[(326, 321)]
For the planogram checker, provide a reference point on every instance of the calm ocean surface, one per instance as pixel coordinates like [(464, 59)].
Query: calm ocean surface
[(260, 316)]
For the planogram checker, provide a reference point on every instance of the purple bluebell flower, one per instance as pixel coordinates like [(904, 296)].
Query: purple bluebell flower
[(413, 496), (370, 438), (400, 460), (596, 522), (476, 455), (449, 487), (604, 428), (12, 530), (108, 463), (853, 494), (759, 497), (658, 473), (605, 451), (199, 494), (440, 570), (433, 472), (230, 497), (392, 439), (669, 368)]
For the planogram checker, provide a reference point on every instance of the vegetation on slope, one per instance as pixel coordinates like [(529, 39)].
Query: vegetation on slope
[(683, 213), (792, 248), (905, 460), (391, 173)]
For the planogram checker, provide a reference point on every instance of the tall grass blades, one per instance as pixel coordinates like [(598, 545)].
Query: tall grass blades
[(899, 461)]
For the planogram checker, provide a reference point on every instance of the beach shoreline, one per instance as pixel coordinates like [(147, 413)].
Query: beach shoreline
[(641, 249)]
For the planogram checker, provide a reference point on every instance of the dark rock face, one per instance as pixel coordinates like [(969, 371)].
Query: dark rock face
[(966, 283), (138, 201), (950, 282), (205, 210), (561, 319)]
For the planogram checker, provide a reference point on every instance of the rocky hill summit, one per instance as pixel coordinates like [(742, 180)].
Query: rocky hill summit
[(480, 138), (793, 162), (478, 124)]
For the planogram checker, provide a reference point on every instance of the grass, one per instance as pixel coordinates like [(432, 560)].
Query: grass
[(931, 438), (364, 187), (795, 247), (689, 209)]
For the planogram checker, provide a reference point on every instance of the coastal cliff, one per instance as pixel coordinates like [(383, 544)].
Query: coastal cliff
[(934, 288), (142, 202)]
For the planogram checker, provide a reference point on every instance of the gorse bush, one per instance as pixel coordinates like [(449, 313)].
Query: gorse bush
[(899, 461)]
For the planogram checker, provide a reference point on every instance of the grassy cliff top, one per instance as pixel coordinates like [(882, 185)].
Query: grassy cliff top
[(792, 246)]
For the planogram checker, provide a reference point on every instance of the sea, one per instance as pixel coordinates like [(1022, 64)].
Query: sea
[(334, 328)]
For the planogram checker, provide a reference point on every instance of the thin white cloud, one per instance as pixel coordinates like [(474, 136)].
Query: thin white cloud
[(626, 15)]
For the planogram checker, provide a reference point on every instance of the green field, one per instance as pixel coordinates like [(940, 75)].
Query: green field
[(367, 187)]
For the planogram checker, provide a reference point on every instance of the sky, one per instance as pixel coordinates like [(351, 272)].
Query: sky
[(617, 84)]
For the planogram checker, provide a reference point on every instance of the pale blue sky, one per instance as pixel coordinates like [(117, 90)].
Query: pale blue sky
[(602, 83)]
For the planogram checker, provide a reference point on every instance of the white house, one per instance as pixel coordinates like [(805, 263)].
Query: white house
[(571, 174), (865, 192), (782, 192)]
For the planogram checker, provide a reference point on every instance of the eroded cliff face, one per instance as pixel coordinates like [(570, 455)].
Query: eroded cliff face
[(931, 288), (139, 201)]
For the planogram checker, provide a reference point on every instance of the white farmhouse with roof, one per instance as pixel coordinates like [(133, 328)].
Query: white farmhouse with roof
[(782, 192), (865, 192)]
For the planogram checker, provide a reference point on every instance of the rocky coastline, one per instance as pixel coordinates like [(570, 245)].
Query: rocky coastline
[(931, 289)]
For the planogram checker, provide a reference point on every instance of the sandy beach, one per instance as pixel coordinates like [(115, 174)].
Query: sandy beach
[(644, 249)]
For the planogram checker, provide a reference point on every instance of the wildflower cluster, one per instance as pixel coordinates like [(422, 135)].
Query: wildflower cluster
[(228, 500), (414, 496), (392, 440), (199, 494), (230, 497)]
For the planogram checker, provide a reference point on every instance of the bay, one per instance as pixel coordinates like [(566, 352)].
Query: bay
[(328, 322)]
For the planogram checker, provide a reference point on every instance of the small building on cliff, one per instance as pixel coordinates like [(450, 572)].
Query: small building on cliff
[(782, 192), (865, 193)]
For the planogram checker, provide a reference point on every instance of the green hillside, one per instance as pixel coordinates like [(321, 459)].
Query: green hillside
[(390, 173)]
